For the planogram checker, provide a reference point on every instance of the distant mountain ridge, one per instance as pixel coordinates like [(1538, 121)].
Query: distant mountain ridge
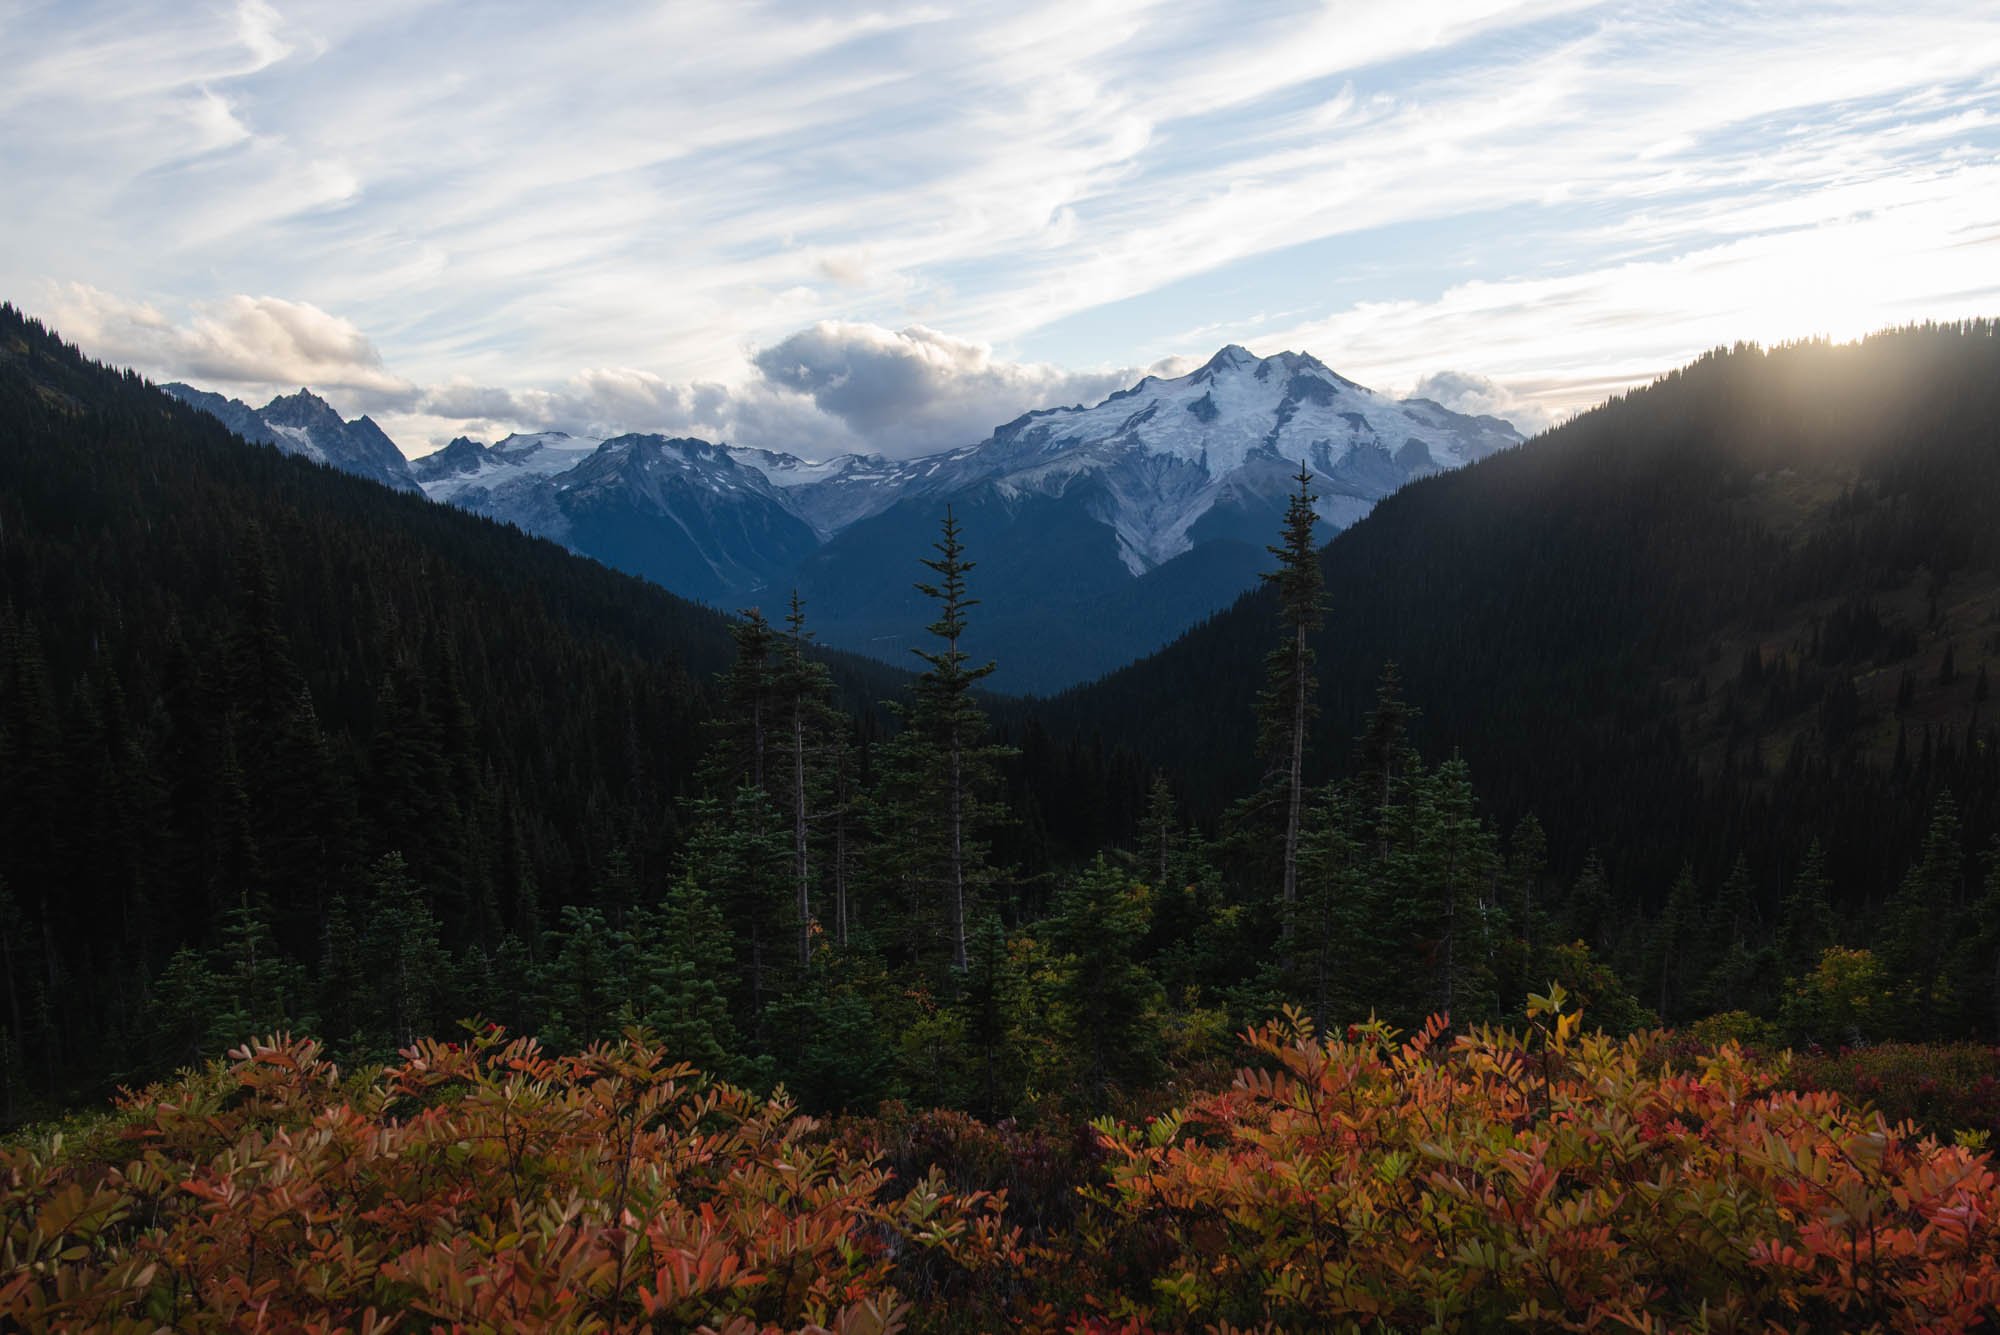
[(307, 425), (1101, 531)]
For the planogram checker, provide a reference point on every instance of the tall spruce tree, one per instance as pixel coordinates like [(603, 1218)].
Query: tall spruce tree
[(1922, 917), (1385, 762), (1455, 864), (1105, 997), (941, 763), (1286, 706), (743, 727), (682, 953), (1347, 937), (810, 727), (1807, 925), (740, 858)]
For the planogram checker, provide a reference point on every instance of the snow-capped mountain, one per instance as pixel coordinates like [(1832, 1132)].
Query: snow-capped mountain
[(1101, 532), (1181, 459), (681, 512), (307, 425), (1105, 531), (466, 468), (834, 493)]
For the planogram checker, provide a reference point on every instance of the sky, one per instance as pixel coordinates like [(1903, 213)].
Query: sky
[(820, 228)]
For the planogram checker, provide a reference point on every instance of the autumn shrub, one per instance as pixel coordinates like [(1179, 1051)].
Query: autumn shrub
[(1550, 1179), (1043, 1167), (1944, 1088), (479, 1186)]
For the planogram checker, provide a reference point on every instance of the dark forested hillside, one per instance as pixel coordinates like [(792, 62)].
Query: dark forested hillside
[(1755, 604), (246, 702), (1690, 717)]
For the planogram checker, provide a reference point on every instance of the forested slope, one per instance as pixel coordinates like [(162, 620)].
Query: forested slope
[(1751, 605), (232, 681)]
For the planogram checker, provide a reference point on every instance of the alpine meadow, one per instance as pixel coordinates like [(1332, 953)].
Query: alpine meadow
[(1108, 669)]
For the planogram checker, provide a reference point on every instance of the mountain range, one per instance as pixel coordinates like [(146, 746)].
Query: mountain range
[(1101, 532)]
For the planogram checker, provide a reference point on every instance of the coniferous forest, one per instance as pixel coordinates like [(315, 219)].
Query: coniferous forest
[(553, 909)]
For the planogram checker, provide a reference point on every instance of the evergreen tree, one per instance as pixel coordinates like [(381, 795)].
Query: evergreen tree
[(1586, 915), (829, 1047), (681, 951), (1455, 865), (1672, 942), (400, 942), (1351, 932), (1287, 704), (1922, 917), (1527, 867), (584, 981), (1107, 1001), (744, 729), (1740, 962), (939, 770), (811, 726), (1160, 828), (993, 1002), (1384, 761), (13, 951), (742, 860), (1807, 925)]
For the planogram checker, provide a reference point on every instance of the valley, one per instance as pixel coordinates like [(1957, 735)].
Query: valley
[(1104, 531)]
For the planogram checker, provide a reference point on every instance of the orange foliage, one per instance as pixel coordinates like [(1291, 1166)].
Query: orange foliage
[(477, 1186), (1552, 1180), (1548, 1181)]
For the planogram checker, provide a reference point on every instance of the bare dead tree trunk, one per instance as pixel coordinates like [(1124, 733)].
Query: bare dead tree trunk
[(958, 958), (800, 868), (1291, 888)]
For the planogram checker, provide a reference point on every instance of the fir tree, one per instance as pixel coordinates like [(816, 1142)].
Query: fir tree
[(742, 860), (744, 727), (1454, 861), (1107, 999), (1527, 868), (400, 941), (992, 1003), (1673, 934), (1922, 916), (584, 980), (1287, 705), (1384, 761), (1587, 913), (682, 948), (1348, 936), (803, 689), (939, 770), (1806, 927), (1161, 829)]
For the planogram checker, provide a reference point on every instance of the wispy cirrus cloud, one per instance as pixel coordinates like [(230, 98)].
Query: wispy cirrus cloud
[(1553, 195)]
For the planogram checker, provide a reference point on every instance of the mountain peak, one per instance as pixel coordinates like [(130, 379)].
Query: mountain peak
[(304, 398), (1231, 356), (303, 409), (463, 455), (307, 425)]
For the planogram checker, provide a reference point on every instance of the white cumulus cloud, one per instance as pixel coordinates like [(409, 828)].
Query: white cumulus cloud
[(239, 343), (1483, 396), (913, 390)]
